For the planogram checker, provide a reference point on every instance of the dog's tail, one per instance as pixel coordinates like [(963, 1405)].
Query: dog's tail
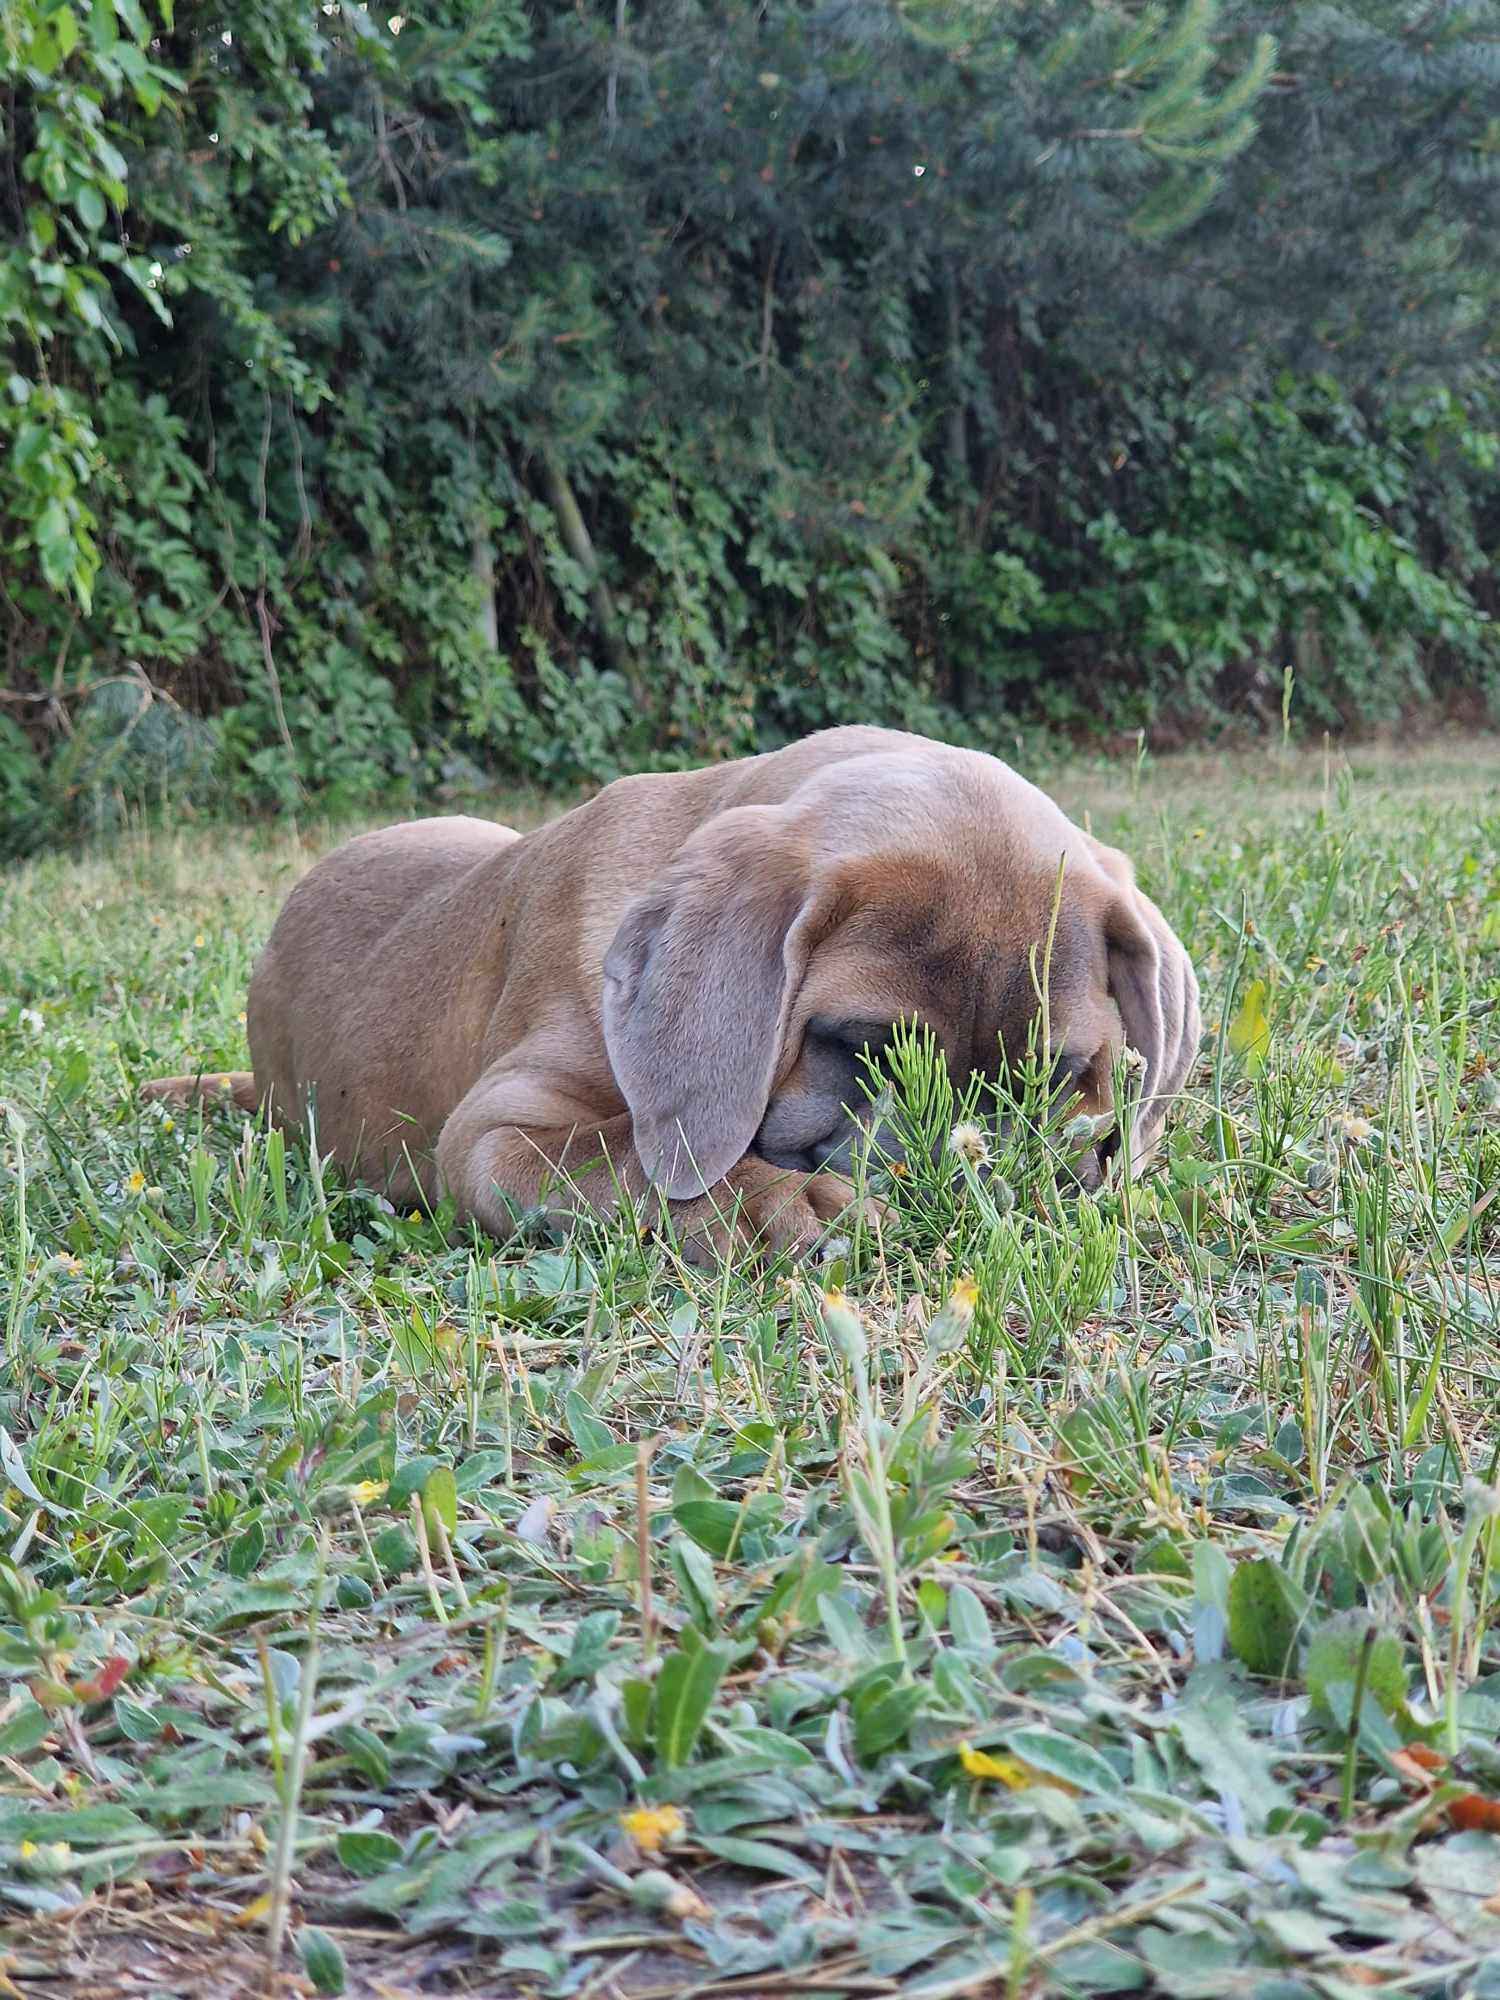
[(237, 1085)]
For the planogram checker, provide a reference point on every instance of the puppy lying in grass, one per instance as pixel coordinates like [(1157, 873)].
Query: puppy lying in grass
[(667, 993)]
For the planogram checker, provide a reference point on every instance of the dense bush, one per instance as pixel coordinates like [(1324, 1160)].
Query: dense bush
[(548, 390)]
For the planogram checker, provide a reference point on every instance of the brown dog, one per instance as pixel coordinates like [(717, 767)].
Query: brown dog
[(670, 987)]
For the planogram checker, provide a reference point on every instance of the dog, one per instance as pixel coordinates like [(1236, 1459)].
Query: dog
[(668, 992)]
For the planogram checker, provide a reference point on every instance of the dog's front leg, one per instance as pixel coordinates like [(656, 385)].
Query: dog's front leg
[(514, 1143)]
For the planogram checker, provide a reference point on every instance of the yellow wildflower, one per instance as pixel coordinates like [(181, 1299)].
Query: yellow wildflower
[(368, 1491), (1011, 1771), (48, 1857), (650, 1826), (1008, 1770), (135, 1182)]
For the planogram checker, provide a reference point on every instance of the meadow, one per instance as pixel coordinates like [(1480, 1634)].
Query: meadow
[(1047, 1595)]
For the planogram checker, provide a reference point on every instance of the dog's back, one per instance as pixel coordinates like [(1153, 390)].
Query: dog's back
[(323, 1004)]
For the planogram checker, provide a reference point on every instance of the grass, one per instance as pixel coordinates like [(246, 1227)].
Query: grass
[(557, 1620)]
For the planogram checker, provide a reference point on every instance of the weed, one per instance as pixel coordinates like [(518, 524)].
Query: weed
[(1041, 1612)]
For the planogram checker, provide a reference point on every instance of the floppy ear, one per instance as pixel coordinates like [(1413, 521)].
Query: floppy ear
[(1152, 982), (698, 984)]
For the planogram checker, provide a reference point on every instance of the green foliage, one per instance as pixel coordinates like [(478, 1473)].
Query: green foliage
[(496, 390), (1068, 1601)]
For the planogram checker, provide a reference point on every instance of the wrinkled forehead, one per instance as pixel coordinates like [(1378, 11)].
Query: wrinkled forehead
[(974, 972)]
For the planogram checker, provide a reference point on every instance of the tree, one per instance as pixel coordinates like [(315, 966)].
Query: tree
[(573, 387)]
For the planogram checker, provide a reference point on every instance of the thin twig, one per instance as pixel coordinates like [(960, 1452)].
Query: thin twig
[(262, 611), (612, 85)]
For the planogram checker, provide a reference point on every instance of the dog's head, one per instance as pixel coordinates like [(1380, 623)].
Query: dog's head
[(783, 941)]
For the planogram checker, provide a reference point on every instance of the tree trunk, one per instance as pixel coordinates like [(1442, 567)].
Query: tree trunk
[(959, 692), (580, 546), (482, 567), (958, 413)]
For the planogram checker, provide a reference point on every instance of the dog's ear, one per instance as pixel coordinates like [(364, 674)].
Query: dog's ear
[(1152, 982), (698, 984)]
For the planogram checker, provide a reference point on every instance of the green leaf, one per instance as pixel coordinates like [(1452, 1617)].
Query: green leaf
[(601, 1466), (589, 1434), (90, 206), (138, 1724), (369, 1852), (440, 1499), (1250, 1030), (1416, 1422), (246, 1550), (395, 1551), (720, 1526), (27, 1728), (43, 52), (1212, 1575), (685, 1688), (761, 1855), (1207, 1722), (1066, 1758), (844, 1627), (134, 20), (590, 1648), (322, 1961), (635, 1712), (83, 1826), (13, 1467), (882, 1720), (695, 1577), (1266, 1617), (366, 1752), (412, 1477), (414, 1342), (1332, 1666), (968, 1621), (73, 1078)]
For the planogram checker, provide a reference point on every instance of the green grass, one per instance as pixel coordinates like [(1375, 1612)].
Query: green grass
[(360, 1581)]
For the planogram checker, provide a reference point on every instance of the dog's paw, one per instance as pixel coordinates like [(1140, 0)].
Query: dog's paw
[(237, 1086), (778, 1214)]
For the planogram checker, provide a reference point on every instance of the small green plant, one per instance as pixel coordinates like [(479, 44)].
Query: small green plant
[(521, 1597)]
